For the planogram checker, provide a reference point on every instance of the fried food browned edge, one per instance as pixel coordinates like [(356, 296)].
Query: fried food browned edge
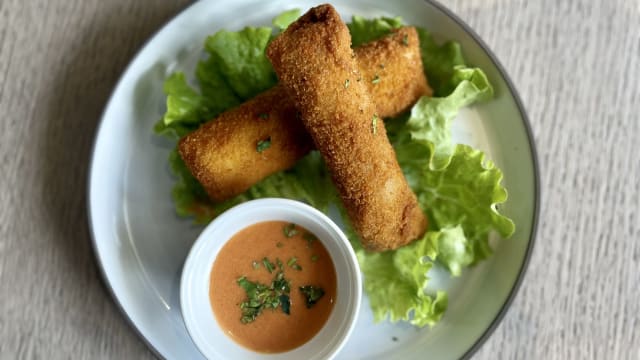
[(222, 154), (313, 59)]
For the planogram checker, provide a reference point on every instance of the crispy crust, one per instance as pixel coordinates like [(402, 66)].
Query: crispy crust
[(313, 59), (395, 62), (222, 154)]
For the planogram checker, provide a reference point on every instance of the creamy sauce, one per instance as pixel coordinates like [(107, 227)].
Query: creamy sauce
[(273, 330)]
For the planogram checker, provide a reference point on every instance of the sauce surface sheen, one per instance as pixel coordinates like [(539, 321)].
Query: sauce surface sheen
[(272, 331)]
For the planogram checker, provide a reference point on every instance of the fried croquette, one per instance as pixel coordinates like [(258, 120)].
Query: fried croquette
[(224, 155), (392, 71), (313, 60), (246, 144)]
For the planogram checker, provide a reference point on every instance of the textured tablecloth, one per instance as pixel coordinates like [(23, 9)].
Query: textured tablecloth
[(575, 63)]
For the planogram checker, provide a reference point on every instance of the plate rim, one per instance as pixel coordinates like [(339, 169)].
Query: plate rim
[(532, 147)]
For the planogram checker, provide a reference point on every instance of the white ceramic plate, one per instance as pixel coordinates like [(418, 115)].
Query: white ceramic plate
[(141, 244)]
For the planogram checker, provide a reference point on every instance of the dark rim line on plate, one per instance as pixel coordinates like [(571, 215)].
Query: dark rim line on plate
[(534, 157)]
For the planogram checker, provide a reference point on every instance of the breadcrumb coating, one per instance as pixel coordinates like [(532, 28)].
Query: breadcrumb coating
[(222, 154), (313, 59)]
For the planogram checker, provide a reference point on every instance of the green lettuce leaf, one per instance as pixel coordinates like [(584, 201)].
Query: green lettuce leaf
[(282, 21), (241, 59), (185, 108), (235, 70), (440, 62), (395, 283), (215, 88), (364, 30), (188, 195), (308, 181), (431, 117), (450, 248), (184, 104), (465, 194)]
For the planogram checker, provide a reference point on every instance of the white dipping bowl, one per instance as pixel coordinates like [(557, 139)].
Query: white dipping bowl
[(198, 316)]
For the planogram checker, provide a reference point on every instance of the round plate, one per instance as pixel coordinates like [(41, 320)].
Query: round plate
[(141, 244)]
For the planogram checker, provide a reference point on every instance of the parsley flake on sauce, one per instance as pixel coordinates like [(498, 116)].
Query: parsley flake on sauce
[(293, 263), (312, 294), (268, 265), (290, 230), (285, 304), (261, 296), (309, 237)]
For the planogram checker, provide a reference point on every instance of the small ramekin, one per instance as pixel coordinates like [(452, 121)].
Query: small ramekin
[(194, 287)]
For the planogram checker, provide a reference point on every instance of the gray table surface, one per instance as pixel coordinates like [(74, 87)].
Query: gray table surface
[(575, 63)]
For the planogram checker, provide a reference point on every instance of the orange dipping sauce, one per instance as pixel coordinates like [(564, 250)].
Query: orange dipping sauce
[(303, 261)]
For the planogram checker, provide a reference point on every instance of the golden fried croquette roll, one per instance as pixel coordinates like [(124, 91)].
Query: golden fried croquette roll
[(223, 154), (313, 59), (244, 145), (392, 71)]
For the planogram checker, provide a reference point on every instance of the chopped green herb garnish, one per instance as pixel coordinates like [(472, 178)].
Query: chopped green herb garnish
[(374, 124), (263, 144), (309, 237), (260, 297), (293, 263), (268, 265), (255, 264), (263, 116), (279, 244), (314, 258), (280, 283), (279, 264), (376, 79), (285, 304), (290, 230), (346, 83), (405, 40), (312, 294)]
